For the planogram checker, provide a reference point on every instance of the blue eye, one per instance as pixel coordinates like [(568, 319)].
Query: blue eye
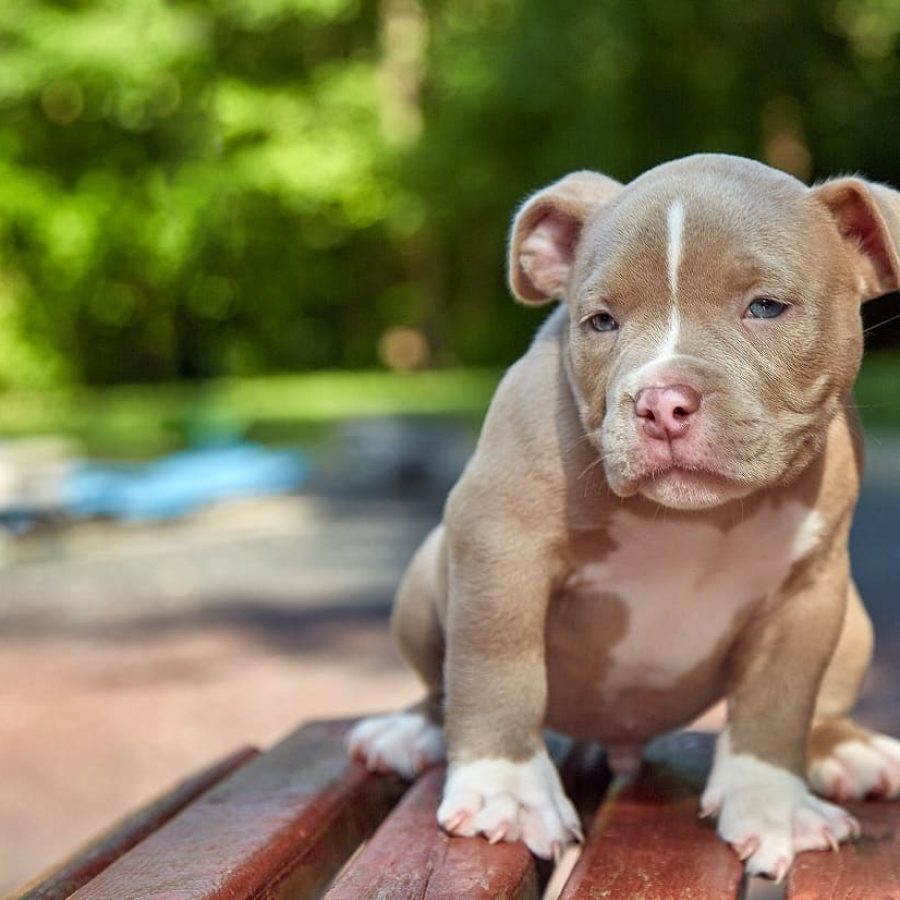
[(603, 322), (764, 308)]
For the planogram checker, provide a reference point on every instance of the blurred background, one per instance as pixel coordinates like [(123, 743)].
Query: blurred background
[(252, 308)]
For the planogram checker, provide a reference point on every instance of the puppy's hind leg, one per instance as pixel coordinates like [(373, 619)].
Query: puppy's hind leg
[(411, 740), (844, 760)]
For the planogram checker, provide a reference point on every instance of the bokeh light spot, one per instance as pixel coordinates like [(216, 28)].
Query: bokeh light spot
[(62, 101)]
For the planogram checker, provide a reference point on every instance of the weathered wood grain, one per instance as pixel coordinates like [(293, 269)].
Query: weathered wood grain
[(647, 842), (87, 862), (410, 858), (280, 827), (867, 869)]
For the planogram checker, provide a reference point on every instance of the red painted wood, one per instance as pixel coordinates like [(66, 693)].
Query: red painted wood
[(410, 858), (279, 827), (868, 869), (95, 856), (647, 841)]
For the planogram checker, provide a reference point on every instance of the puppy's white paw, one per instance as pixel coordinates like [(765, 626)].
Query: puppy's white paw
[(768, 815), (509, 801), (404, 742), (858, 768)]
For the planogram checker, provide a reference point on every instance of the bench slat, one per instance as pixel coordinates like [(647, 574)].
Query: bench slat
[(647, 841), (279, 827), (99, 853), (868, 869), (410, 858)]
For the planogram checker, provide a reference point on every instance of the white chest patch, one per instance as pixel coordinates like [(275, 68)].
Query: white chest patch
[(683, 583)]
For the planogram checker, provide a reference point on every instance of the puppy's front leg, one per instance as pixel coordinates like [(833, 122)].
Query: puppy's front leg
[(765, 809), (501, 782)]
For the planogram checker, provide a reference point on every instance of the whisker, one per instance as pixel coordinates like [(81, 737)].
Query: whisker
[(887, 321), (577, 442), (587, 483), (591, 466)]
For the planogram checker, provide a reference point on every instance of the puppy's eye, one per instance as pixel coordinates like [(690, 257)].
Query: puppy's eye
[(765, 308), (603, 322)]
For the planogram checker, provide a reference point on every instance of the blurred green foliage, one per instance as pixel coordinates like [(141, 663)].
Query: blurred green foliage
[(233, 187)]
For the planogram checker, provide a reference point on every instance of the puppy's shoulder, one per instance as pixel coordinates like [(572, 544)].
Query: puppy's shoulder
[(518, 459), (529, 395)]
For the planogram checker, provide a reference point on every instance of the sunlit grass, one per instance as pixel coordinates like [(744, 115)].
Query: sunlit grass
[(149, 420)]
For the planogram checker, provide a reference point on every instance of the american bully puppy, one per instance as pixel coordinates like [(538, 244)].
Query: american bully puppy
[(656, 514)]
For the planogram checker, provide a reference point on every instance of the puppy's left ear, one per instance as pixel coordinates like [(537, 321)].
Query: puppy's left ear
[(868, 217), (546, 231)]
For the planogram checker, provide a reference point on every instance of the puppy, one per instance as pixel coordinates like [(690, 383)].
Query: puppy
[(656, 514)]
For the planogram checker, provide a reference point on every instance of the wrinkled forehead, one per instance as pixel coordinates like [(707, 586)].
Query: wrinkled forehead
[(699, 221)]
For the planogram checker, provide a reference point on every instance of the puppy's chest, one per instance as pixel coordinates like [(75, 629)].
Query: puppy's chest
[(664, 594)]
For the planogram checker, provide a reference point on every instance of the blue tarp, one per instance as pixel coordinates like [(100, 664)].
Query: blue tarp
[(179, 484)]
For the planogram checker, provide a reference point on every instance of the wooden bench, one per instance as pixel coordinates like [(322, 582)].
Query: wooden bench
[(284, 823)]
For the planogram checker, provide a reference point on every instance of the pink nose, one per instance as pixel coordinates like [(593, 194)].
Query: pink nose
[(667, 411)]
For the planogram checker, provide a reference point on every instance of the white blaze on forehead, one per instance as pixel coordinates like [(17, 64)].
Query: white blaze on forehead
[(675, 225), (675, 221), (670, 341), (668, 345)]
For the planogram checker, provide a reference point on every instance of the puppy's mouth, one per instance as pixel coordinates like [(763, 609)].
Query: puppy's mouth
[(687, 470), (681, 486), (699, 475)]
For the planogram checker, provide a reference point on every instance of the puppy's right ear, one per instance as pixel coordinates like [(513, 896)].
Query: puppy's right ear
[(546, 230)]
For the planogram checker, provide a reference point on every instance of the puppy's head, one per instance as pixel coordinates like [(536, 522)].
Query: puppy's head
[(714, 324)]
